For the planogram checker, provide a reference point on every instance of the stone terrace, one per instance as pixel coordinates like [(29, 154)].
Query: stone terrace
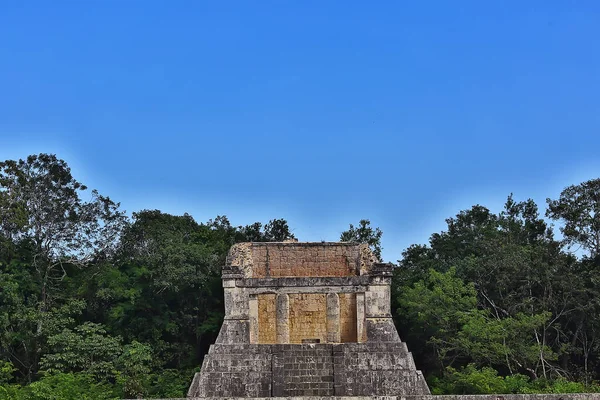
[(307, 319)]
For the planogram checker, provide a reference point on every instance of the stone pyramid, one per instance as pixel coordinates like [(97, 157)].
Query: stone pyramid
[(307, 319)]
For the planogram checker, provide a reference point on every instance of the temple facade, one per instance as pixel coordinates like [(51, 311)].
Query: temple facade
[(307, 319)]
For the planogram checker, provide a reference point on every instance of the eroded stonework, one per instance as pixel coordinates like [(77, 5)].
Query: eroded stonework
[(307, 319)]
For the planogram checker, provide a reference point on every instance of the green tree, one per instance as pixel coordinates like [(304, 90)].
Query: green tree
[(363, 233), (473, 380), (135, 363), (43, 215), (7, 371), (164, 288), (277, 230), (525, 286), (69, 386), (578, 208), (86, 348), (444, 311), (252, 233), (434, 310), (61, 227)]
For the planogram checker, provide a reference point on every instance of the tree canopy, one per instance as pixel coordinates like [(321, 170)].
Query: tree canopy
[(364, 233), (99, 304)]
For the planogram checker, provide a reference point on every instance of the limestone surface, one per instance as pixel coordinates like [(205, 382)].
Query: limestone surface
[(307, 319)]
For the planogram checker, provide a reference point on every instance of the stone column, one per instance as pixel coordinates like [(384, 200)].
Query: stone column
[(361, 334), (236, 326), (333, 318), (253, 314), (378, 317), (282, 312)]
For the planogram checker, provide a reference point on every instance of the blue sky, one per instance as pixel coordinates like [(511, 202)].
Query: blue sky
[(320, 112)]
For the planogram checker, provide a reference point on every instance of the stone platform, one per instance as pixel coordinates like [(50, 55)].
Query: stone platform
[(307, 319), (289, 370), (573, 396)]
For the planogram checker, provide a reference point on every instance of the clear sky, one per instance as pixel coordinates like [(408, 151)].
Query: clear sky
[(320, 112)]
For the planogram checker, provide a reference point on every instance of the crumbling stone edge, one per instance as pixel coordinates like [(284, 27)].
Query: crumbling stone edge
[(571, 396)]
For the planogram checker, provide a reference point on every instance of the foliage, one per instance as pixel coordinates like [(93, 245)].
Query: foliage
[(42, 215), (445, 309), (169, 383), (94, 304), (276, 230), (528, 301), (69, 386), (578, 207), (135, 366), (85, 348), (437, 307), (6, 371), (473, 380), (363, 233)]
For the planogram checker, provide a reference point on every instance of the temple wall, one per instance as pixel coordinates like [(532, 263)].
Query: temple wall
[(267, 333), (308, 317), (348, 323), (299, 260)]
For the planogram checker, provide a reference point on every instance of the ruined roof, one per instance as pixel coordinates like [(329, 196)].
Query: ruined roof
[(301, 259)]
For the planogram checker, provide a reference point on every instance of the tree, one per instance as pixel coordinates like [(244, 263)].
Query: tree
[(432, 311), (86, 348), (164, 288), (578, 208), (40, 202), (470, 234), (252, 233), (135, 364), (525, 286), (43, 215), (69, 386), (277, 230), (471, 380), (443, 311), (174, 248), (6, 372), (363, 233)]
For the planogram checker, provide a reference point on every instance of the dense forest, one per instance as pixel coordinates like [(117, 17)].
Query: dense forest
[(96, 304)]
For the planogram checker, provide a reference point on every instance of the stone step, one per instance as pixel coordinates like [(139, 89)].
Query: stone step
[(380, 361), (383, 347), (369, 383), (364, 355), (243, 349), (261, 348), (216, 365), (245, 357)]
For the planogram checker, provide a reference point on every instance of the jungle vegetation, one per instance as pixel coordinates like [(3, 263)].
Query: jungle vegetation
[(99, 304)]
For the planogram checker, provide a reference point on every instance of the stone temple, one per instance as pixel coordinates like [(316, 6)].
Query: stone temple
[(307, 319)]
